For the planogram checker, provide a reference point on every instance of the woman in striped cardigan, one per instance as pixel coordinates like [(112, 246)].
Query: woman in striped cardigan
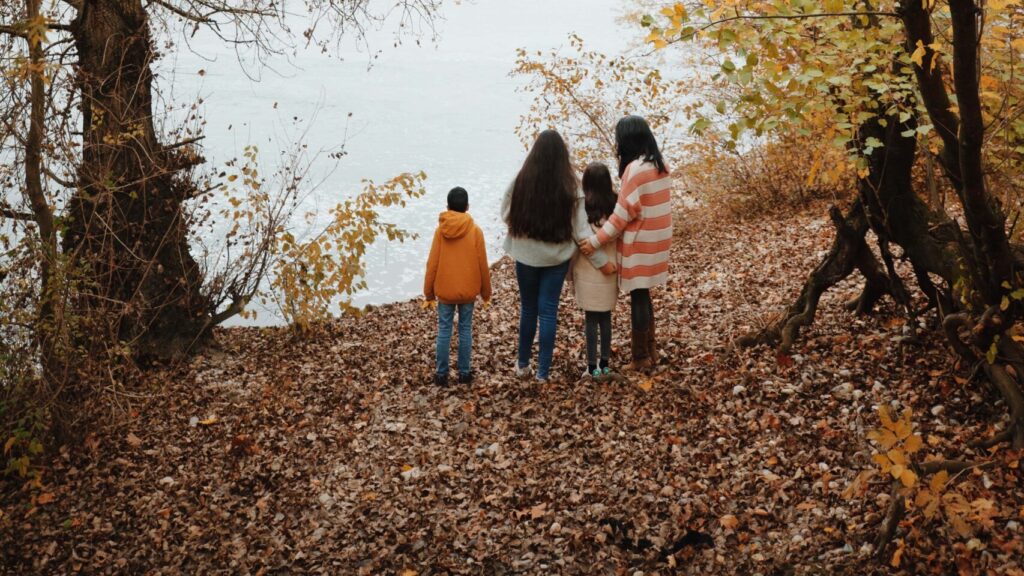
[(642, 223)]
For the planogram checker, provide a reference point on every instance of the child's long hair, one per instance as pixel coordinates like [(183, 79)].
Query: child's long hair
[(597, 187), (544, 193)]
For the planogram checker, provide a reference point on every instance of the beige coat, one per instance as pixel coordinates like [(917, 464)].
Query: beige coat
[(595, 292)]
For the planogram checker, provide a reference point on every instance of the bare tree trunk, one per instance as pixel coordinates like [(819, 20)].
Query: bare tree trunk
[(985, 219), (126, 231), (41, 211)]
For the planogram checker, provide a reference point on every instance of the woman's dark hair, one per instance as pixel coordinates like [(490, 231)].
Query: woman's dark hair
[(634, 139), (597, 188), (544, 193)]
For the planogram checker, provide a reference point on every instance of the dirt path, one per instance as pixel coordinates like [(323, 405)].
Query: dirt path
[(336, 455)]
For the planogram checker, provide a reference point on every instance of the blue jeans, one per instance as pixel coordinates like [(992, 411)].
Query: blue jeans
[(445, 318), (539, 292)]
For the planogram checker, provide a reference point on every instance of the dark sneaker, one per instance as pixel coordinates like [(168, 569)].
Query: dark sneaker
[(441, 380), (467, 378)]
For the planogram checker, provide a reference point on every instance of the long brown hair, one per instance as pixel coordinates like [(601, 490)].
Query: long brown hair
[(597, 189), (544, 193)]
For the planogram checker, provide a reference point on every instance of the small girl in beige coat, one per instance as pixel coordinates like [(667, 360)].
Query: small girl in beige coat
[(596, 292)]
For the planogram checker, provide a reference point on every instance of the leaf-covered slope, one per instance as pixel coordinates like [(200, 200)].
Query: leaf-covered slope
[(338, 455)]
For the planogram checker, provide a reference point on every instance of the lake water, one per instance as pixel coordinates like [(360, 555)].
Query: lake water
[(448, 108)]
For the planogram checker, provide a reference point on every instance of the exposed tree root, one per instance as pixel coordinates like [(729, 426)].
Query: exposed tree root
[(1010, 389), (951, 325), (876, 284), (849, 251), (1004, 436), (897, 288), (1003, 374)]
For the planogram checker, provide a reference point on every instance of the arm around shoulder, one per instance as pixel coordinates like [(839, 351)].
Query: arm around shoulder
[(624, 213), (582, 231)]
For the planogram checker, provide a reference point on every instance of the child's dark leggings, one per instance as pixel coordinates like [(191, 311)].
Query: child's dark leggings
[(595, 320), (641, 309)]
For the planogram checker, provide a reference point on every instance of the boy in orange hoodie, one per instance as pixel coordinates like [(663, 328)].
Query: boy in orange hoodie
[(457, 272)]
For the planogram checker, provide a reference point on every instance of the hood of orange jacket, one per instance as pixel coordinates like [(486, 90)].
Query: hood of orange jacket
[(454, 224)]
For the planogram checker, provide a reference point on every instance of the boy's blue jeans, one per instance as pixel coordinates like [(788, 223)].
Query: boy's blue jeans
[(445, 319), (540, 289)]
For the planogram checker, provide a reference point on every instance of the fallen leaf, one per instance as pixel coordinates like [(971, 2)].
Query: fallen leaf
[(133, 440), (538, 511)]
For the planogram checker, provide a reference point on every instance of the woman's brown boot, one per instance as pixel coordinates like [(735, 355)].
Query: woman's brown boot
[(639, 346), (652, 344)]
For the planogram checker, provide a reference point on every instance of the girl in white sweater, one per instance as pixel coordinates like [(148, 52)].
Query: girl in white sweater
[(596, 292)]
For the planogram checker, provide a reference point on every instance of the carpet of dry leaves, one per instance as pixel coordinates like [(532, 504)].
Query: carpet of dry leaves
[(336, 454)]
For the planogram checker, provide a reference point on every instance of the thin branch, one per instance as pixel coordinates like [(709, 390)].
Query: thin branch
[(13, 31), (59, 180), (184, 143), (15, 215), (951, 466), (190, 16), (796, 17), (237, 305)]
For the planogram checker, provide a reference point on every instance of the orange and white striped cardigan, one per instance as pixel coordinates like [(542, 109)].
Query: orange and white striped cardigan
[(642, 222)]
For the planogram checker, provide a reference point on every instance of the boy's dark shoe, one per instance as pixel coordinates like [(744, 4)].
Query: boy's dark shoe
[(441, 380), (467, 378)]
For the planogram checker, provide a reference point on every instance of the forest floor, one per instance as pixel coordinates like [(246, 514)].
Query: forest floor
[(336, 453)]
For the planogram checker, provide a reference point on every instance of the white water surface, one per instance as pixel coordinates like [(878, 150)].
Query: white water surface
[(448, 108)]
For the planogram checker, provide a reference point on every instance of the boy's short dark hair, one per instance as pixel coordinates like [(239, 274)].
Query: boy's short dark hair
[(458, 199)]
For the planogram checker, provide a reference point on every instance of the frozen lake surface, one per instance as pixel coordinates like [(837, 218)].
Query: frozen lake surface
[(448, 108)]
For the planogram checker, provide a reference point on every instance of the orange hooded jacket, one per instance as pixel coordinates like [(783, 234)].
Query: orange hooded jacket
[(457, 270)]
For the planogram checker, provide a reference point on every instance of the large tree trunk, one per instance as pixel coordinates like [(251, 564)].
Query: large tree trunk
[(979, 268), (126, 232)]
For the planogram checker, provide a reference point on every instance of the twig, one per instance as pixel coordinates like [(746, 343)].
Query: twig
[(15, 215), (184, 143)]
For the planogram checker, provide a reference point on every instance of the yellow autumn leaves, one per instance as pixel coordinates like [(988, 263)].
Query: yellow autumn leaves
[(929, 499), (917, 57), (899, 443), (326, 269), (310, 273), (677, 16), (897, 439)]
